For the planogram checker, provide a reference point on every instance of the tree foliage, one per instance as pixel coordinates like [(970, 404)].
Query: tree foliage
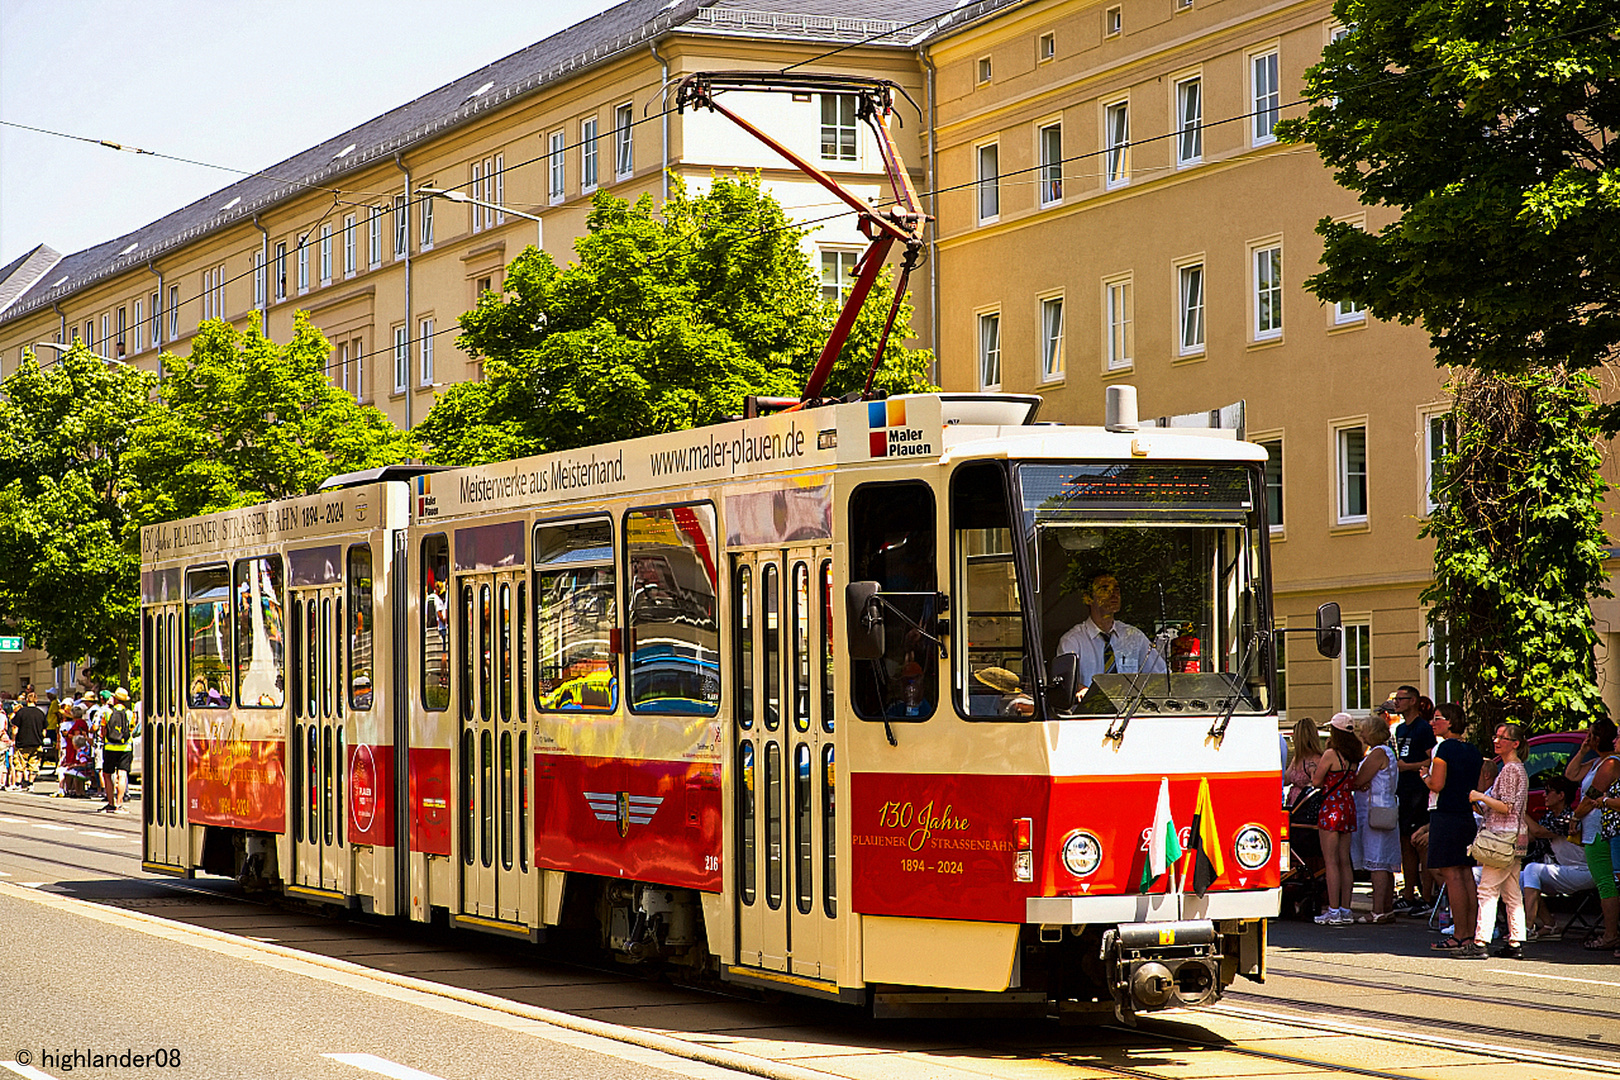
[(667, 321)]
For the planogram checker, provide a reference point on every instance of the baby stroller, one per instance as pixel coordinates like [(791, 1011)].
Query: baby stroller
[(1304, 879)]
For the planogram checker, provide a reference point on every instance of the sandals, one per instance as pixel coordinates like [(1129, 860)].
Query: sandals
[(1539, 933), (1370, 918), (1594, 944), (1448, 944)]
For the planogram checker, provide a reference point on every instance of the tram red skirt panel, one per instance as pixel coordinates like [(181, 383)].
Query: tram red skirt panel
[(656, 821), (371, 794), (238, 783), (431, 802), (944, 847)]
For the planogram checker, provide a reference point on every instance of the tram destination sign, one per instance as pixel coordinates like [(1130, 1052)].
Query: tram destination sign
[(11, 644)]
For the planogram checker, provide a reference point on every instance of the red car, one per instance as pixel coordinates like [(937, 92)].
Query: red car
[(1547, 755)]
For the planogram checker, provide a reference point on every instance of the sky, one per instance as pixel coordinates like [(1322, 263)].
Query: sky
[(228, 82)]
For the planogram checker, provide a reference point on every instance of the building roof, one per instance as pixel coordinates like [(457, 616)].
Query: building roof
[(629, 25), (24, 271)]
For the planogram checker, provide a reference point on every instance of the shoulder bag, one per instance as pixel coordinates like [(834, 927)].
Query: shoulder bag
[(1382, 818), (1494, 849)]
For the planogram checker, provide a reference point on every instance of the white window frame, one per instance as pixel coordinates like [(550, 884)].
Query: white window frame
[(402, 226), (343, 366), (987, 186), (1439, 428), (1189, 123), (558, 162), (1116, 125), (426, 352), (988, 326), (358, 354), (984, 70), (1344, 480), (1268, 439), (1046, 47), (1114, 21), (281, 270), (137, 327), (258, 281), (326, 255), (1118, 323), (402, 358), (844, 140), (624, 143), (477, 194), (1440, 688), (589, 175), (1050, 179), (1357, 639), (1265, 96), (426, 216), (1050, 336), (1192, 311), (374, 238), (1266, 284), (106, 328), (499, 199), (350, 266), (174, 312), (843, 262), (303, 265), (157, 319)]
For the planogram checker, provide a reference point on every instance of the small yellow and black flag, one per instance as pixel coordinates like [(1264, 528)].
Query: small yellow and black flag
[(1208, 865)]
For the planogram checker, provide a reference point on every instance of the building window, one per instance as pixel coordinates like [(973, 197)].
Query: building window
[(1113, 21), (427, 352), (1119, 345), (477, 194), (1352, 455), (402, 221), (1274, 483), (258, 280), (984, 69), (357, 356), (326, 254), (374, 237), (1046, 48), (837, 273), (1279, 644), (1268, 314), (213, 292), (349, 266), (1117, 135), (1348, 311), (106, 329), (157, 319), (1052, 339), (1355, 669), (1439, 440), (1445, 684), (587, 154), (303, 265), (281, 271), (558, 176), (990, 352), (989, 182), (123, 330), (500, 186), (624, 147), (343, 366), (1189, 121), (90, 333), (1191, 282), (1051, 140), (427, 220), (402, 359), (174, 312), (838, 127), (137, 327), (1267, 97)]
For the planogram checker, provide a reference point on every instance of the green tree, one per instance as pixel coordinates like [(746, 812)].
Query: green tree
[(68, 574), (668, 320), (244, 420), (1487, 127)]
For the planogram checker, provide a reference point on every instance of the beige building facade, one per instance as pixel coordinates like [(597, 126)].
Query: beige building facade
[(1115, 208)]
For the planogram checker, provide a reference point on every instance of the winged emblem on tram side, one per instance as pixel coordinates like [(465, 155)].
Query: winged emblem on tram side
[(623, 808)]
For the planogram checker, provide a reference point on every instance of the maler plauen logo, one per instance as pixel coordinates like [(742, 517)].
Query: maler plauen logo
[(890, 437)]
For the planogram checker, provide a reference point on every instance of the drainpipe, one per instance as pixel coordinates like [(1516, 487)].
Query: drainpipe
[(399, 162), (664, 171), (933, 208), (162, 297), (264, 272), (61, 315)]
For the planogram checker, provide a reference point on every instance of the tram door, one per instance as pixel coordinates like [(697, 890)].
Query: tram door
[(786, 881), (495, 822), (316, 772), (163, 748)]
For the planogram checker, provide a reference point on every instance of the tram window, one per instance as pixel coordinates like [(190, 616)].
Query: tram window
[(523, 777), (486, 810), (804, 872), (175, 748), (147, 649), (295, 642), (826, 645), (260, 627), (337, 656), (747, 795), (326, 786), (576, 617), (770, 618), (312, 779), (297, 774), (152, 748), (312, 658), (155, 683), (435, 639), (208, 656), (829, 834), (464, 633), (326, 657), (743, 597), (340, 785), (504, 637), (673, 616), (522, 612), (507, 813), (993, 669), (801, 646), (174, 663), (486, 660), (892, 542), (773, 824), (469, 766)]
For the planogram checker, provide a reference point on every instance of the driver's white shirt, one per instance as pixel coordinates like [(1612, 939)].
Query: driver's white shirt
[(1133, 652)]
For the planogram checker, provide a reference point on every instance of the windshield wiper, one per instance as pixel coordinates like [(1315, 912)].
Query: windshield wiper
[(1217, 730), (1117, 733)]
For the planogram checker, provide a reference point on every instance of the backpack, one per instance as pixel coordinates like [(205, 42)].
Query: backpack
[(116, 731)]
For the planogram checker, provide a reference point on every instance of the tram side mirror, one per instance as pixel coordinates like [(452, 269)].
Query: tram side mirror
[(863, 618), (1061, 687), (1329, 632)]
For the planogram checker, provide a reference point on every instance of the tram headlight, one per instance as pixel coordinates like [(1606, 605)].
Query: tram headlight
[(1082, 853), (1253, 847)]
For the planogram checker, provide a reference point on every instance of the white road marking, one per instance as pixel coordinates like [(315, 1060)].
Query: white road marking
[(32, 884), (26, 1070), (103, 835), (13, 821), (53, 828), (373, 1063), (1557, 978)]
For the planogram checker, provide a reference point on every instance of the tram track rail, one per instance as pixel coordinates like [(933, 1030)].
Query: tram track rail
[(1568, 1007)]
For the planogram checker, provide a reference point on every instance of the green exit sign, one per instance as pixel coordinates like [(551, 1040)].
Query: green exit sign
[(11, 644)]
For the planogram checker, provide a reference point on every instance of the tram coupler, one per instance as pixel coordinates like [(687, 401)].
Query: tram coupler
[(1161, 965)]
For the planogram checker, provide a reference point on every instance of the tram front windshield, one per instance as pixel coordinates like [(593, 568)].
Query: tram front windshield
[(1148, 574)]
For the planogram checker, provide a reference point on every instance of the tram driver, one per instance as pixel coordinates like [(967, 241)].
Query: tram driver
[(1104, 645)]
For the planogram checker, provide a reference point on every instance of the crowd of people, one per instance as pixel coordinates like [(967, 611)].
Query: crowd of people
[(92, 734), (1403, 791)]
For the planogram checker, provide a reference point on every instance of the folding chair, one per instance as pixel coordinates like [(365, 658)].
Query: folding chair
[(1588, 915)]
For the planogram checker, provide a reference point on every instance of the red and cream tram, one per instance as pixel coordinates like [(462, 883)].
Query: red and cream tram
[(779, 699)]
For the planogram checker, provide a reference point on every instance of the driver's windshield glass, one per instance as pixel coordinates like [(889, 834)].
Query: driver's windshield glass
[(1149, 575)]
